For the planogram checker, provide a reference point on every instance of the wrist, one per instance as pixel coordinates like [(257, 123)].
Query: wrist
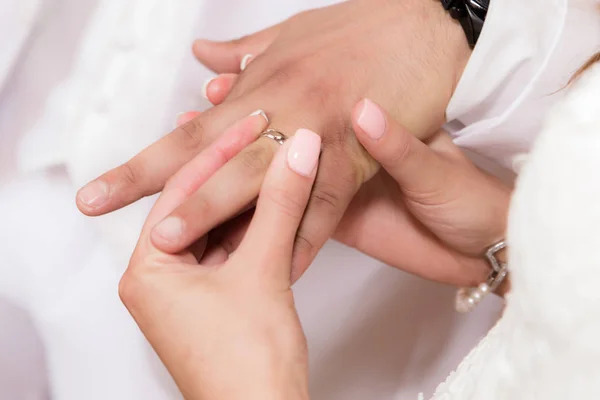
[(447, 54), (457, 45), (291, 388)]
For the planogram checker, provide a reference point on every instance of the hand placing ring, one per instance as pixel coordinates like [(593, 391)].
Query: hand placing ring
[(305, 77)]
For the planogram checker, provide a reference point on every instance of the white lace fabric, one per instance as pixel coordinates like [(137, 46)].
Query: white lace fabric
[(546, 345)]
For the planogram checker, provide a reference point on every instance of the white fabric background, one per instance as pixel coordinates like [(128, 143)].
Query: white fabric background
[(91, 83)]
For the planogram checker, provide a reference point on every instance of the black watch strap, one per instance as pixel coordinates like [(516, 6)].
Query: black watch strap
[(471, 15)]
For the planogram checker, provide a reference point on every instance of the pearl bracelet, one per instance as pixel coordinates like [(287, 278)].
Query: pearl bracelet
[(468, 298)]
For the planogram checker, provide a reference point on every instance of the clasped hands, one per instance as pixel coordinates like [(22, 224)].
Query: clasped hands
[(208, 266)]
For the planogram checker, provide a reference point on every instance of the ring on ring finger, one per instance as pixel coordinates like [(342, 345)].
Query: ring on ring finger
[(275, 135)]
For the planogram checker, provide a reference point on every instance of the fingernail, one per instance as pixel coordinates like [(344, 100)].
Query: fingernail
[(303, 153), (371, 120), (170, 229), (261, 113), (205, 87), (245, 61), (94, 194)]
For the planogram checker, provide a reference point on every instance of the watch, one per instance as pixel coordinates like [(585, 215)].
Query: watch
[(471, 15)]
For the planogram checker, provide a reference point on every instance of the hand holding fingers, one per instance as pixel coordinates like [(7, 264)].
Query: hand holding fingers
[(461, 205), (232, 188), (415, 167), (224, 195), (263, 312), (191, 176), (226, 238), (330, 198), (344, 74), (214, 203)]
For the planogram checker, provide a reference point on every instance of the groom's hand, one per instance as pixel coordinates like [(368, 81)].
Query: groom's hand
[(308, 71)]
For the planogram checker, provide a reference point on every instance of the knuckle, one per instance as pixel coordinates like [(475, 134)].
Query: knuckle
[(399, 153), (323, 92), (202, 205), (293, 69), (286, 202), (191, 135), (131, 174), (282, 76)]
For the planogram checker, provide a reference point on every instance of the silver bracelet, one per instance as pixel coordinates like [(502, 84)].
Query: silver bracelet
[(468, 298)]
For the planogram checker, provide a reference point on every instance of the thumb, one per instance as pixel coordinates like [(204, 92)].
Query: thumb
[(227, 57), (417, 168), (283, 198)]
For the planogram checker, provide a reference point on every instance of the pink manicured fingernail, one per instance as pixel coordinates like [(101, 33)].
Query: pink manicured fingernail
[(94, 194), (303, 153), (170, 229), (371, 120)]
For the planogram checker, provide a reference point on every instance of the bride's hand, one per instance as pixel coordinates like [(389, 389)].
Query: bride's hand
[(228, 329), (430, 211)]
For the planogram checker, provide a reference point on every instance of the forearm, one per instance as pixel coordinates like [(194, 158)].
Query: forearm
[(260, 370)]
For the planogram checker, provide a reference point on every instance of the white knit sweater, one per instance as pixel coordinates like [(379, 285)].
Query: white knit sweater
[(546, 346)]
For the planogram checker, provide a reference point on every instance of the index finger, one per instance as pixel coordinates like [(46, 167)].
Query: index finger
[(202, 167), (146, 173)]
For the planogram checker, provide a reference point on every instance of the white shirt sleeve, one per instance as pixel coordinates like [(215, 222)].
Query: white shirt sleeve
[(526, 53)]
